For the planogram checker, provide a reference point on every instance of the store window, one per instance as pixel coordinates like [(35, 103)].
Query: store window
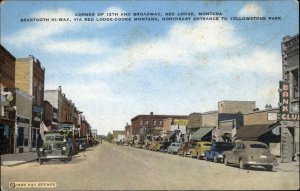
[(295, 74), (23, 134), (4, 138)]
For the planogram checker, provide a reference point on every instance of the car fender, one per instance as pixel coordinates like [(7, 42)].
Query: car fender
[(227, 155), (207, 154)]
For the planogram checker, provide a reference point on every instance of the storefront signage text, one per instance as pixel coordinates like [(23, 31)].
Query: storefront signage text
[(284, 102)]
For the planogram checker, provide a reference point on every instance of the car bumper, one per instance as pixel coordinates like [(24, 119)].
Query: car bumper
[(53, 157), (255, 163)]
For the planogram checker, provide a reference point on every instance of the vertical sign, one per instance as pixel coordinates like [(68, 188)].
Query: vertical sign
[(284, 102), (284, 97)]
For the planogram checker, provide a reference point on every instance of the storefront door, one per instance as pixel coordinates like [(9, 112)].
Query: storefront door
[(34, 136), (287, 142)]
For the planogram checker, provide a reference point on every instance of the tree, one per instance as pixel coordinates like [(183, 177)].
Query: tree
[(109, 137)]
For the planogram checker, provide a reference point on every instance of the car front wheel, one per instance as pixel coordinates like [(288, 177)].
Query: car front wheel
[(225, 161), (241, 164), (215, 159)]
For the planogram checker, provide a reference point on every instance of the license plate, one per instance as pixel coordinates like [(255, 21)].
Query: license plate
[(263, 156)]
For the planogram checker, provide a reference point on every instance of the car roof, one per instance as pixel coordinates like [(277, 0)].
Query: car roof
[(53, 134), (251, 142)]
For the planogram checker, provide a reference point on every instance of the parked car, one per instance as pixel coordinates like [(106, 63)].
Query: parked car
[(250, 153), (173, 148), (156, 146), (164, 146), (186, 148), (81, 144), (55, 147), (200, 149), (215, 153)]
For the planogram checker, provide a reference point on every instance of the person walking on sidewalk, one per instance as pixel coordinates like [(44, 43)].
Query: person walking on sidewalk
[(39, 141)]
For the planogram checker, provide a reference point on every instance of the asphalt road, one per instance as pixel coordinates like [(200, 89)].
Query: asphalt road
[(112, 167)]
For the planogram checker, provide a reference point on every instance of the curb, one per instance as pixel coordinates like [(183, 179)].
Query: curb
[(18, 163)]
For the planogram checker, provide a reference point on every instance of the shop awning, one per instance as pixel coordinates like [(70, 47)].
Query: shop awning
[(252, 132), (201, 133)]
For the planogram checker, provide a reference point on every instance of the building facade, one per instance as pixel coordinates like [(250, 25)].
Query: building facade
[(25, 139), (290, 74), (141, 123), (55, 98), (30, 78), (194, 122), (236, 106), (7, 101)]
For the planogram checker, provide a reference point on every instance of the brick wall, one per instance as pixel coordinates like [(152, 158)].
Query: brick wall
[(7, 68)]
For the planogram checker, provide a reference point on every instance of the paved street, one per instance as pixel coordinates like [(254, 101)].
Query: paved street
[(112, 167)]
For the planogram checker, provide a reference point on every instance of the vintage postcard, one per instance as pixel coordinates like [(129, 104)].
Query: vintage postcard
[(149, 95)]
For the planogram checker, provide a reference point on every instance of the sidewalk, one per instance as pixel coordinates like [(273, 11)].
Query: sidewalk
[(18, 158), (287, 167)]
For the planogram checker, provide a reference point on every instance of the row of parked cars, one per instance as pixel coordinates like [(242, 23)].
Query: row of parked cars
[(59, 146), (245, 154)]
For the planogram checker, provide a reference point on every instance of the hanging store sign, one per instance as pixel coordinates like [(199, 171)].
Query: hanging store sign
[(284, 104)]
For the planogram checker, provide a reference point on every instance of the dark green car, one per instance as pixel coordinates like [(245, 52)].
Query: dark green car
[(54, 147)]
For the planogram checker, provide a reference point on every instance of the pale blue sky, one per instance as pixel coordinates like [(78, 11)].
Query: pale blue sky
[(116, 71)]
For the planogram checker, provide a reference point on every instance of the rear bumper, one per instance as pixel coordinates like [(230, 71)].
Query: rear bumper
[(254, 163)]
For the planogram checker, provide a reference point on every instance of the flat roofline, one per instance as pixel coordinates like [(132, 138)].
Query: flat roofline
[(234, 101), (209, 112), (166, 116), (260, 111)]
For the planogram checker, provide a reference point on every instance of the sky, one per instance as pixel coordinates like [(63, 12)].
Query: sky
[(115, 70)]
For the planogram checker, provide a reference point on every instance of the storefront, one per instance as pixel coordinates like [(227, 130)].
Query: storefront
[(34, 137), (23, 135), (6, 136)]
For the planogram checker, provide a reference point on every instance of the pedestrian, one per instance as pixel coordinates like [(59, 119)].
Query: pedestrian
[(39, 141)]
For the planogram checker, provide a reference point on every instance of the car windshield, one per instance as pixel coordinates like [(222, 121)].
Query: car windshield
[(259, 146), (49, 138), (59, 138), (223, 146)]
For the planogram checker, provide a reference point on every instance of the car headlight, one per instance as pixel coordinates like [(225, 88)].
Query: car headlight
[(64, 148), (41, 149), (220, 156)]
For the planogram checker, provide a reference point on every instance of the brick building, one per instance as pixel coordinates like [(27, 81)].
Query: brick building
[(7, 115), (140, 122), (48, 114)]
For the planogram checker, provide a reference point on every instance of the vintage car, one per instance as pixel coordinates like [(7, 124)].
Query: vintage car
[(215, 153), (250, 153), (55, 147), (155, 146), (173, 148), (164, 146), (187, 148), (200, 149)]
